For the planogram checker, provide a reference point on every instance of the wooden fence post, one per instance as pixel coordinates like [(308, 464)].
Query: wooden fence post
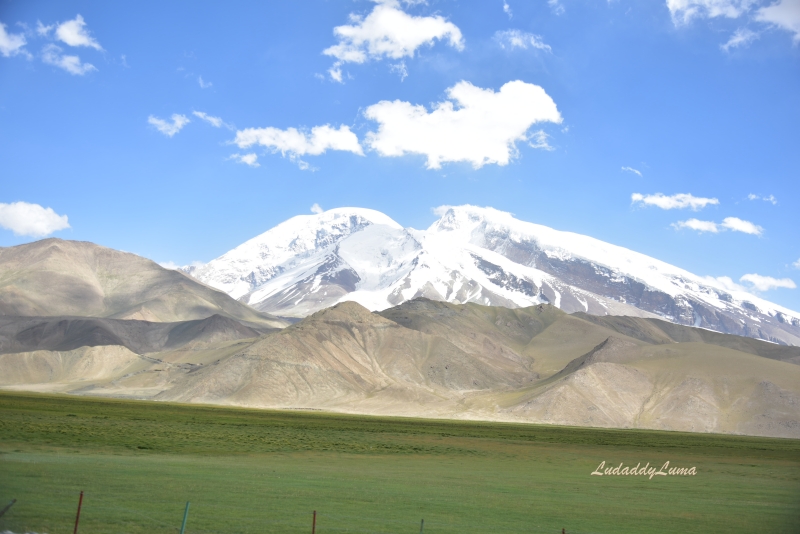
[(78, 515), (314, 523), (421, 526)]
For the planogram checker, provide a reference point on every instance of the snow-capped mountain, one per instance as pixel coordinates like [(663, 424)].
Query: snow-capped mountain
[(481, 255)]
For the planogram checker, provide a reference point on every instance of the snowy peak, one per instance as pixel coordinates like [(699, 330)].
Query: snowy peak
[(259, 260), (474, 254)]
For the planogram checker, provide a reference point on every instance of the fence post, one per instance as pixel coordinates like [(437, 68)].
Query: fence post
[(78, 515), (185, 515), (7, 507), (421, 526), (314, 523)]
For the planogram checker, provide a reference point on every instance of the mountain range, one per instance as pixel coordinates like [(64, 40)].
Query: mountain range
[(427, 358), (479, 255), (83, 319)]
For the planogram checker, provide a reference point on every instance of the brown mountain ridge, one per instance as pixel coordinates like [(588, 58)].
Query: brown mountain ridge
[(434, 359)]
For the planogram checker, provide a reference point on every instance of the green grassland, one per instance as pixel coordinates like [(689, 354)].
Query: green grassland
[(265, 471)]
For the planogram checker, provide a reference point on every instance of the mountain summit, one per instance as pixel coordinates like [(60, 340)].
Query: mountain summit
[(480, 255)]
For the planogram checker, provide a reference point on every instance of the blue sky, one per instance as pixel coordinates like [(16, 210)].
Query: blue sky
[(179, 130)]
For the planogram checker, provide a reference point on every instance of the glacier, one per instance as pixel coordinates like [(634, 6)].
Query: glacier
[(481, 255)]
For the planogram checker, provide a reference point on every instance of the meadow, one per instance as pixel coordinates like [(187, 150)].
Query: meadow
[(246, 470)]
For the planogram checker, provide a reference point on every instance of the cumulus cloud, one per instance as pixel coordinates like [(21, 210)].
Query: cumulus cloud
[(740, 38), (631, 169), (765, 283), (507, 9), (695, 224), (33, 220), (216, 122), (474, 125), (11, 44), (796, 264), (784, 14), (295, 143), (203, 84), (250, 159), (51, 54), (169, 128), (771, 198), (738, 225), (726, 282), (74, 33), (679, 201), (683, 11), (511, 39), (316, 208), (728, 223), (388, 32)]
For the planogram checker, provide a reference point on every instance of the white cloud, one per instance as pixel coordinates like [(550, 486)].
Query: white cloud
[(399, 68), (507, 9), (512, 39), (683, 11), (738, 225), (784, 14), (695, 224), (631, 169), (303, 165), (297, 143), (679, 201), (250, 159), (726, 282), (388, 32), (475, 125), (556, 7), (11, 44), (171, 265), (740, 38), (765, 283), (169, 128), (51, 54), (796, 264), (771, 199), (216, 122), (538, 139), (203, 84), (336, 73), (74, 33), (24, 218), (43, 30), (729, 223), (440, 210), (316, 208)]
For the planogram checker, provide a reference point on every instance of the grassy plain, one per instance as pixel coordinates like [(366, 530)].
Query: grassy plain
[(265, 471)]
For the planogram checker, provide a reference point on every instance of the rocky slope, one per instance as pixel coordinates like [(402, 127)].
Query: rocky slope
[(435, 359), (53, 277), (476, 255)]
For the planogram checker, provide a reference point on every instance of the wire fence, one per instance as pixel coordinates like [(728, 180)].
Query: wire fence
[(109, 516)]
